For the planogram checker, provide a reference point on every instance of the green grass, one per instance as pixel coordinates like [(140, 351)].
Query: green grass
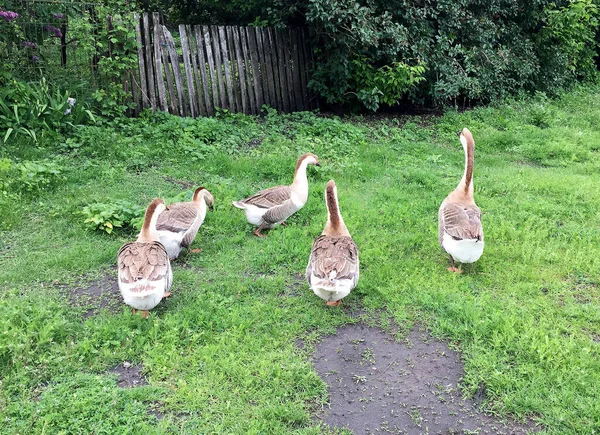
[(221, 356)]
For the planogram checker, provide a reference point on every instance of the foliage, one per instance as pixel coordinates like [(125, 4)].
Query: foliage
[(29, 107), (29, 176), (384, 85), (115, 214)]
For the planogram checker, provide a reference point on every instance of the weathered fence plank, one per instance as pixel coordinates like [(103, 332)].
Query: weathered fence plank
[(273, 59), (227, 66), (141, 64), (214, 34), (211, 65), (189, 75), (175, 66), (196, 71), (158, 62), (283, 64), (241, 69), (149, 63), (248, 70), (168, 71), (209, 106), (300, 103), (235, 84)]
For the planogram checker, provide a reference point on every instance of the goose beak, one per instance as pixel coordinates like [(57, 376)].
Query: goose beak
[(211, 208), (318, 164), (458, 133)]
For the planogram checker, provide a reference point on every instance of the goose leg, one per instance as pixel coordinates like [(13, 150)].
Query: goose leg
[(166, 294), (283, 224), (334, 303), (145, 314), (133, 311), (257, 231), (453, 268)]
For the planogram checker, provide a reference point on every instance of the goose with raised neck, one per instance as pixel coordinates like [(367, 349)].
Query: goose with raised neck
[(274, 205), (460, 232), (144, 270), (179, 224), (333, 266)]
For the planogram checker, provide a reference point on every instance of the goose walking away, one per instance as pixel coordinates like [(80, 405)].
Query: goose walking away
[(274, 205), (145, 275), (178, 226), (459, 219), (333, 266)]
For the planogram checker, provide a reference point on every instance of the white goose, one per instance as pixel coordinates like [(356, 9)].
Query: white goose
[(273, 206), (333, 266), (144, 269), (459, 231), (178, 225)]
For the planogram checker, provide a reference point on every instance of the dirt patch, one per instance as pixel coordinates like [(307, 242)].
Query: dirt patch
[(100, 294), (130, 375), (377, 385), (183, 183)]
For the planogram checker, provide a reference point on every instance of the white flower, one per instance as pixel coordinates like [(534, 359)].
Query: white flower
[(71, 101), (67, 111)]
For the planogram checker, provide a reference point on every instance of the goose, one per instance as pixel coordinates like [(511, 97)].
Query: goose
[(144, 269), (459, 219), (274, 205), (178, 225), (332, 270)]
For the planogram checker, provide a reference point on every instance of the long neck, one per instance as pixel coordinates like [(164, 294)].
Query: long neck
[(300, 184), (335, 225), (149, 233), (201, 205), (466, 183)]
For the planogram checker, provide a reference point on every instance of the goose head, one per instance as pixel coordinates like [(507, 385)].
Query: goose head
[(308, 159), (202, 194)]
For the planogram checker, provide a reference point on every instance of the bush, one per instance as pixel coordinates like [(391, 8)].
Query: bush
[(108, 216)]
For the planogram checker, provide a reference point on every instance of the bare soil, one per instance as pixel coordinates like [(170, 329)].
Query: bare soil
[(130, 375), (98, 295), (378, 385)]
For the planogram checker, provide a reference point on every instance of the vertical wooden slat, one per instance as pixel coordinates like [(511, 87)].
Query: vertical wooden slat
[(269, 79), (214, 32), (211, 66), (282, 63), (160, 82), (275, 71), (141, 63), (246, 53), (300, 103), (262, 64), (183, 109), (241, 67), (168, 71), (195, 70), (189, 74), (202, 68), (305, 68), (254, 58), (286, 37), (149, 62), (235, 86), (227, 66)]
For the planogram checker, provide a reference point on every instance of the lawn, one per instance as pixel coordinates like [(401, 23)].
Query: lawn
[(221, 355)]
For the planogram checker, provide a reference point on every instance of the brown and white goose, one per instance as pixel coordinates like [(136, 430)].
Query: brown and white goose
[(178, 225), (333, 266), (459, 231), (273, 206), (144, 269)]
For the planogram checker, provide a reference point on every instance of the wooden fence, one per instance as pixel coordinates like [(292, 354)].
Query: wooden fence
[(228, 67)]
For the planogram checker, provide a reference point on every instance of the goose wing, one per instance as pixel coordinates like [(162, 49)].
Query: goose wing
[(270, 197), (333, 254), (143, 261), (461, 221), (179, 217)]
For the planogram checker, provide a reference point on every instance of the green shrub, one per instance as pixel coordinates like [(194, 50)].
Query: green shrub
[(108, 216)]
